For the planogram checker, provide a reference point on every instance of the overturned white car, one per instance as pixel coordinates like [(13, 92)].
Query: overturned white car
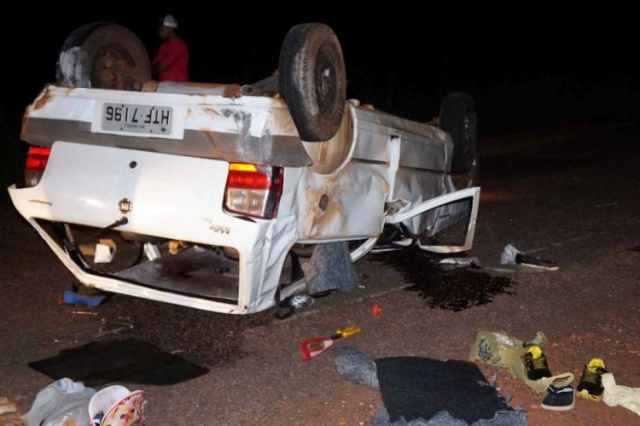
[(212, 196)]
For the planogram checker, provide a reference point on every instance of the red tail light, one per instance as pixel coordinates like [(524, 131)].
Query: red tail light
[(37, 159), (253, 190)]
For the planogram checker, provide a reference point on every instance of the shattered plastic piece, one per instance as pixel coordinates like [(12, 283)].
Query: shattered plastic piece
[(490, 347), (89, 313), (152, 251), (377, 310), (624, 396), (458, 262), (512, 256), (60, 403), (73, 298), (301, 301), (105, 251)]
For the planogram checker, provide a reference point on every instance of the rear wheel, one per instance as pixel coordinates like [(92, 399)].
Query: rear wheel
[(103, 55), (313, 80)]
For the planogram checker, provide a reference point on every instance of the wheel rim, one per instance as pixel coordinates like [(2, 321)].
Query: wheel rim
[(325, 78), (112, 68)]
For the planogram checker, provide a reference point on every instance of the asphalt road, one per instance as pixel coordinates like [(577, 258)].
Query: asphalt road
[(568, 194)]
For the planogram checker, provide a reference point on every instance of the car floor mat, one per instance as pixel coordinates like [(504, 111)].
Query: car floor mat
[(119, 361)]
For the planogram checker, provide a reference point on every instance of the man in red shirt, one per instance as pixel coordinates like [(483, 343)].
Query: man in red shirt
[(171, 63)]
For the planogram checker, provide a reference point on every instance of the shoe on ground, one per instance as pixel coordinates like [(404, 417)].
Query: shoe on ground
[(535, 364), (559, 398), (590, 386)]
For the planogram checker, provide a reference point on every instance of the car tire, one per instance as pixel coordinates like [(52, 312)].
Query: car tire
[(103, 55), (458, 118), (312, 80)]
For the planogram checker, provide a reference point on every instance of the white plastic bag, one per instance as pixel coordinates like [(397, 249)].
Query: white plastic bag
[(60, 402)]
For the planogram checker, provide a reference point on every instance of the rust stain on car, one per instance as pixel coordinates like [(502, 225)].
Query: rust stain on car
[(333, 211), (43, 100)]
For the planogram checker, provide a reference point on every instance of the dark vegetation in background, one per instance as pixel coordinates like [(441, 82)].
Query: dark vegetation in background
[(522, 77)]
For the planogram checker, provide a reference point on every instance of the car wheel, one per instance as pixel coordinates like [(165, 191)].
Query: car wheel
[(103, 55), (313, 80), (458, 118)]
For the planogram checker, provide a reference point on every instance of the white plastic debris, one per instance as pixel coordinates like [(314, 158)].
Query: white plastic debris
[(105, 251), (61, 403), (301, 301), (459, 262), (624, 396)]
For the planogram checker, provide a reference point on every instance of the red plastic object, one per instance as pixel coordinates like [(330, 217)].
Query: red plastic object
[(377, 310), (310, 349)]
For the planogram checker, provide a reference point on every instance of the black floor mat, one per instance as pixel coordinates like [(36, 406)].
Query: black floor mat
[(119, 361), (414, 388)]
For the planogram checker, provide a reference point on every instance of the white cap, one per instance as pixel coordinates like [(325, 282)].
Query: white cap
[(169, 21)]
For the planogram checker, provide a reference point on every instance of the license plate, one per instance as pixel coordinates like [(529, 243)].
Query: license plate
[(147, 119)]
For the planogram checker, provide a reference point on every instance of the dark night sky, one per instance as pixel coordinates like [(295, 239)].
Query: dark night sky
[(400, 59)]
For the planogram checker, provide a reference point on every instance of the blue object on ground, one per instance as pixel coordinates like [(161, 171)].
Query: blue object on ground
[(73, 298)]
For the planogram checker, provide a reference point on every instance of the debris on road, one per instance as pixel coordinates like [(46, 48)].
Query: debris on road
[(301, 301), (513, 256), (428, 392), (125, 361), (10, 413), (73, 298), (122, 324), (504, 350), (117, 406), (377, 310), (451, 263), (312, 348), (88, 313), (624, 396), (62, 403)]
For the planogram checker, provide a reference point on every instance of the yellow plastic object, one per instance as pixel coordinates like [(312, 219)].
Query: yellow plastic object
[(594, 364), (535, 351), (348, 332)]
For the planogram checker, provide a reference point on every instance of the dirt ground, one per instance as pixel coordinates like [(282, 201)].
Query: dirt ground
[(567, 194)]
